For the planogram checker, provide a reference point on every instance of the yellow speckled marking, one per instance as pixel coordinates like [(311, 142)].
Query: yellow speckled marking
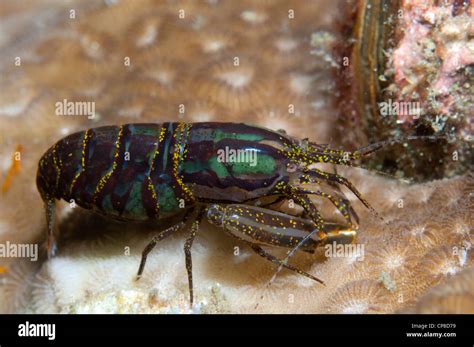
[(106, 177), (57, 165), (150, 186), (183, 130), (85, 142), (157, 149)]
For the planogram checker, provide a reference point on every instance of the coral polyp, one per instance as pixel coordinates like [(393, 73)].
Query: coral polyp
[(363, 296)]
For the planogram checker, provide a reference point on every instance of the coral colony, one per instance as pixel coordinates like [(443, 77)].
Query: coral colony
[(304, 70)]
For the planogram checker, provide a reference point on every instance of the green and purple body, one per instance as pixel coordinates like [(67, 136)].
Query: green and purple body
[(140, 172), (153, 171)]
